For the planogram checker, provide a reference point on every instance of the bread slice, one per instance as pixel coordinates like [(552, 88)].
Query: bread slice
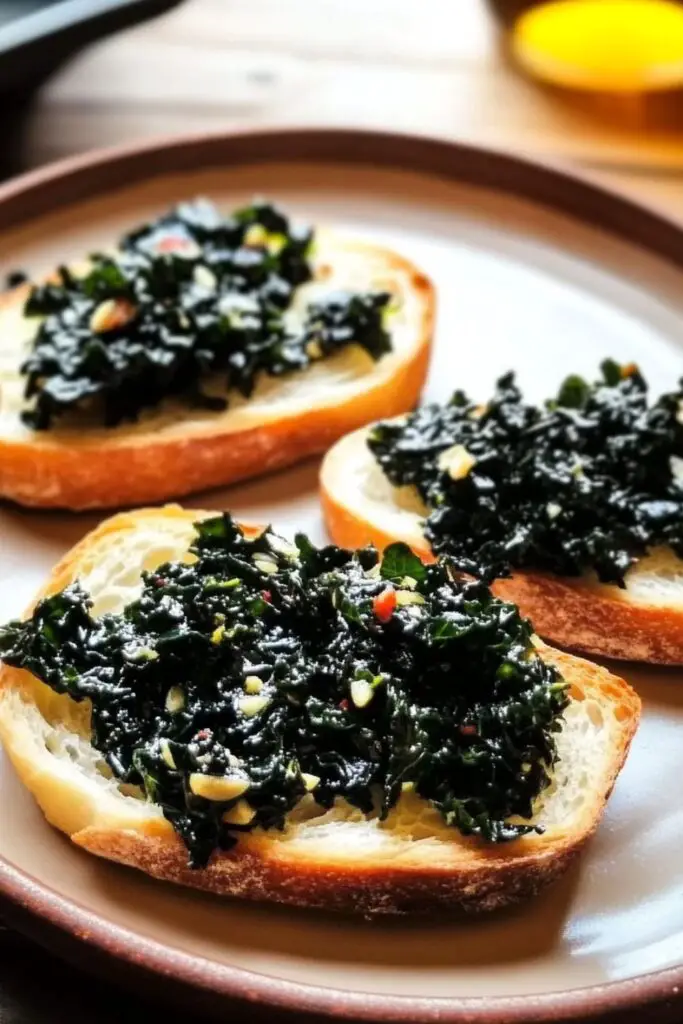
[(644, 622), (337, 859), (173, 450)]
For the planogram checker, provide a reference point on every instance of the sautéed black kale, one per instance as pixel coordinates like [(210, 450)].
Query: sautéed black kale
[(591, 480), (265, 671), (190, 297)]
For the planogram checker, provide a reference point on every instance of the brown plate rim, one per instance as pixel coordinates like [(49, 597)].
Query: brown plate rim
[(34, 907)]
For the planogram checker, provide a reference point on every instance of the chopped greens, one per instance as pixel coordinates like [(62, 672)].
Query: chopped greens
[(191, 306), (592, 480), (265, 671), (15, 279)]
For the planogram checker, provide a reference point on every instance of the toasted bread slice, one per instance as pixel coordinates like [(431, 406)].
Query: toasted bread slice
[(334, 859), (174, 450), (644, 622)]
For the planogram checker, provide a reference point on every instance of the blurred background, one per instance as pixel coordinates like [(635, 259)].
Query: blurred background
[(596, 83)]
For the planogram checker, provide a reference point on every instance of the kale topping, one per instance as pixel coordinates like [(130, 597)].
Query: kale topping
[(589, 481), (264, 671), (189, 300), (15, 279)]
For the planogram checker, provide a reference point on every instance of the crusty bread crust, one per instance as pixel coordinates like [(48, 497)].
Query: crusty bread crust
[(295, 867), (259, 874), (119, 467), (484, 877), (575, 613), (589, 619)]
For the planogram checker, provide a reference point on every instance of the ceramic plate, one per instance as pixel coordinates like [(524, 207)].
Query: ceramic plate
[(534, 270)]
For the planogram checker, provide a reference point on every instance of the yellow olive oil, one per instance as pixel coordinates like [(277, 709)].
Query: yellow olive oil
[(613, 46)]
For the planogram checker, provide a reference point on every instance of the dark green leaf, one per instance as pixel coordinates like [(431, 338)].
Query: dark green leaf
[(307, 551), (106, 280), (573, 393), (399, 561), (449, 628), (611, 371)]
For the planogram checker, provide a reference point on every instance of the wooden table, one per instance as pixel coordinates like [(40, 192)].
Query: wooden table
[(432, 66)]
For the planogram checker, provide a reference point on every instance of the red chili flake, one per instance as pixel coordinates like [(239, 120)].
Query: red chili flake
[(203, 734), (267, 596), (384, 604), (173, 243), (344, 704), (468, 730), (159, 581)]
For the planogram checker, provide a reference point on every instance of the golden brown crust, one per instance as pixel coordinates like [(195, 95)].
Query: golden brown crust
[(588, 619), (143, 468), (363, 888), (467, 874)]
